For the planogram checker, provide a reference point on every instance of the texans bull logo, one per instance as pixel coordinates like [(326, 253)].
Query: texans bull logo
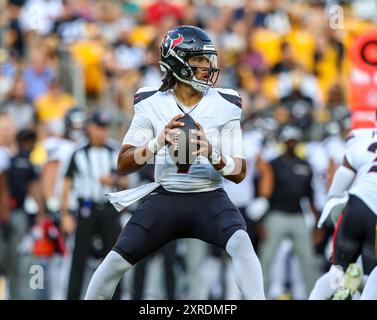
[(170, 43)]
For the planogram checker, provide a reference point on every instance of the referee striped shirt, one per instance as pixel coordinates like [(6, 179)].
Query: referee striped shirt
[(87, 165)]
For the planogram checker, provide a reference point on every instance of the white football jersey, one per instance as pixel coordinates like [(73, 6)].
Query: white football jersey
[(59, 149), (243, 193), (218, 112), (361, 153)]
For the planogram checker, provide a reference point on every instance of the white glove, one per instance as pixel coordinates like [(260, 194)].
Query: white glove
[(257, 208), (53, 204)]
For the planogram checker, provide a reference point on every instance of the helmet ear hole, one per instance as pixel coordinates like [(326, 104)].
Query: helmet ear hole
[(181, 54), (186, 72)]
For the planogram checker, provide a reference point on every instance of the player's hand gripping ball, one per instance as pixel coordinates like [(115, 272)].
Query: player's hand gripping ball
[(181, 148)]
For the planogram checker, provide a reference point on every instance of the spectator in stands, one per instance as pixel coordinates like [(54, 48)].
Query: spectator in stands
[(52, 106), (6, 74), (160, 9), (69, 25), (37, 74), (18, 107), (287, 61), (88, 53), (14, 38)]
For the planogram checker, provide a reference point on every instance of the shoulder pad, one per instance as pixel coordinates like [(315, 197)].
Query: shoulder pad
[(231, 96), (361, 134), (144, 93)]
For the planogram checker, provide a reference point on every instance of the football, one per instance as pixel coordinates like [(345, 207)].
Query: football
[(181, 150)]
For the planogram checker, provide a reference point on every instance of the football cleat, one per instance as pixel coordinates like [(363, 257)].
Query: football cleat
[(352, 279)]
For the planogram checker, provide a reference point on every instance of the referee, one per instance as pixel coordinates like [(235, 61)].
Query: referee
[(92, 172)]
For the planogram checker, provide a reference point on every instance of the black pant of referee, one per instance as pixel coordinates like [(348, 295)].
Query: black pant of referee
[(93, 219)]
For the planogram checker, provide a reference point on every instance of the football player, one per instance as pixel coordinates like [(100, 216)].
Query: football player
[(353, 188), (59, 150), (191, 204)]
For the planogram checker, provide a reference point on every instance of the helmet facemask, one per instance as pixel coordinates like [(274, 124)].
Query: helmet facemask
[(187, 74), (75, 124), (212, 72)]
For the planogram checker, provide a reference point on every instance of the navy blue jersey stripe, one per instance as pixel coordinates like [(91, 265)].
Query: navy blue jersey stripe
[(236, 100), (143, 95)]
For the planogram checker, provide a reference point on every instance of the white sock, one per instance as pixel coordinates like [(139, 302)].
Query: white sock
[(327, 284), (106, 277), (370, 289), (246, 266), (232, 290)]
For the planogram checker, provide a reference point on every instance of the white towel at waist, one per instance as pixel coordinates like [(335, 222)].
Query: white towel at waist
[(123, 199)]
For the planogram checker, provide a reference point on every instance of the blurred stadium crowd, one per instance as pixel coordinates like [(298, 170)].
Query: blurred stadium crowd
[(287, 60)]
